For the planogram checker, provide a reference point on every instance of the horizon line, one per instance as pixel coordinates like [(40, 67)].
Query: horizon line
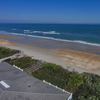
[(46, 23)]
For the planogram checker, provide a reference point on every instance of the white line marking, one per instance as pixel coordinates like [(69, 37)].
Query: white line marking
[(4, 84)]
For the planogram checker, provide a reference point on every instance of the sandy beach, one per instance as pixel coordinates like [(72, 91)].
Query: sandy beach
[(71, 56)]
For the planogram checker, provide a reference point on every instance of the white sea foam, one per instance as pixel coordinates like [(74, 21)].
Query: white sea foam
[(26, 31), (46, 32), (51, 38), (42, 32)]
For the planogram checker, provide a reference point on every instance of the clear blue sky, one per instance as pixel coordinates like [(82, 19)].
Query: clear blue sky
[(50, 11)]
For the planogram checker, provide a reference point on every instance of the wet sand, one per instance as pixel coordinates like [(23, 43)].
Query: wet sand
[(71, 56)]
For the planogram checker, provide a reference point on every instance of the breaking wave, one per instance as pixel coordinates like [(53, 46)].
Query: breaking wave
[(42, 32)]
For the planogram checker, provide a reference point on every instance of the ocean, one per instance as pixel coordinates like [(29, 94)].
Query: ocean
[(82, 33)]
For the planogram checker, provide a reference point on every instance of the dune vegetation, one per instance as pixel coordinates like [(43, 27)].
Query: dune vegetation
[(5, 52)]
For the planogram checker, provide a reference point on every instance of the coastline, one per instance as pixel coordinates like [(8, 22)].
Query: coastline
[(71, 56)]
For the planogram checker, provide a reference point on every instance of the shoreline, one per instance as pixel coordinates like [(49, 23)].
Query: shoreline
[(70, 59), (54, 39)]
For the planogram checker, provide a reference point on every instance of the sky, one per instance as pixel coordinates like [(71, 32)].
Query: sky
[(50, 11)]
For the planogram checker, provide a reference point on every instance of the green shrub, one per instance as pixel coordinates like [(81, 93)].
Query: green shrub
[(23, 62)]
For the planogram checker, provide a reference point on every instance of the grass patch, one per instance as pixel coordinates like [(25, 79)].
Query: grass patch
[(23, 62), (5, 52), (58, 76)]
